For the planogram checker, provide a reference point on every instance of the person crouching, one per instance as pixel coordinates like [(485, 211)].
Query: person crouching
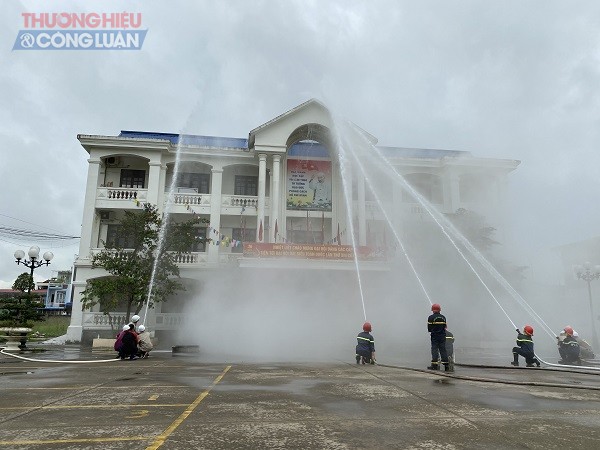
[(365, 349), (568, 348), (524, 348), (129, 343), (144, 342)]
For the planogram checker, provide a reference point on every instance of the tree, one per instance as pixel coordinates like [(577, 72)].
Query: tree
[(24, 309), (474, 228), (21, 311), (24, 283), (130, 262)]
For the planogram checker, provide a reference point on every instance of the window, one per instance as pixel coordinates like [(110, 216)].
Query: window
[(132, 178), (198, 181), (246, 185), (116, 239)]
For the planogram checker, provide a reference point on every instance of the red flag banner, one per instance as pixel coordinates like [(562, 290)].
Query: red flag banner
[(339, 239), (260, 231), (276, 230), (309, 251)]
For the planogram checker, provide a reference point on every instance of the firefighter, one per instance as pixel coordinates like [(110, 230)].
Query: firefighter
[(436, 325), (365, 349), (525, 348), (569, 348)]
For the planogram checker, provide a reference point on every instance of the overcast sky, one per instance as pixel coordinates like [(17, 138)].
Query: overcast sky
[(503, 79)]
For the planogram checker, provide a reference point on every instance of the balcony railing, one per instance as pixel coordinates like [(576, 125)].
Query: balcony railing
[(242, 200), (109, 193), (115, 321), (185, 259), (191, 199)]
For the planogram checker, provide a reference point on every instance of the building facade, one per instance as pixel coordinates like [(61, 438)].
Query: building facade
[(278, 195)]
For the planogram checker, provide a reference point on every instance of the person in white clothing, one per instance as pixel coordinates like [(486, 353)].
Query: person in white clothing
[(144, 342)]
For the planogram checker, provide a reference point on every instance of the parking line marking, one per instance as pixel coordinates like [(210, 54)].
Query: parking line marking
[(75, 440), (160, 440), (152, 405)]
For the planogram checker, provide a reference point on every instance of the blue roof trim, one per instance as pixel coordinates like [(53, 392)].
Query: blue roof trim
[(189, 139), (308, 149), (298, 149)]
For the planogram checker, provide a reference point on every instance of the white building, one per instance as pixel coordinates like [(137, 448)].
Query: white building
[(280, 186)]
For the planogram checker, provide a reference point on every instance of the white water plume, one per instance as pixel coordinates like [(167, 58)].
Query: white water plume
[(164, 225), (444, 225)]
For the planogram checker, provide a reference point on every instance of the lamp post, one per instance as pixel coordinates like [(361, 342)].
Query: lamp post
[(588, 273), (33, 262)]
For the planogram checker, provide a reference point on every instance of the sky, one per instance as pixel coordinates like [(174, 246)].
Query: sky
[(501, 79)]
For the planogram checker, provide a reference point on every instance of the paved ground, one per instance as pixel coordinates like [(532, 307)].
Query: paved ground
[(182, 402)]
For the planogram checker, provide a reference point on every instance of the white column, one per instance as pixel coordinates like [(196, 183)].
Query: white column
[(260, 212), (215, 213), (154, 182), (454, 192), (89, 208), (75, 329), (362, 211), (161, 188), (275, 196)]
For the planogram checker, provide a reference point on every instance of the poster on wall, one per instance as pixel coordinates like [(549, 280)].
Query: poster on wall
[(309, 185)]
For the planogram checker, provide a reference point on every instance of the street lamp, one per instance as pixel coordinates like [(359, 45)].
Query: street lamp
[(587, 273), (33, 262)]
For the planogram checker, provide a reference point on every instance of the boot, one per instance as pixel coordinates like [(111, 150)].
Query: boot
[(357, 359), (447, 368), (515, 363), (434, 367)]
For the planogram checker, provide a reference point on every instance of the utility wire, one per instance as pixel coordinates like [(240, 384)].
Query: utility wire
[(15, 232)]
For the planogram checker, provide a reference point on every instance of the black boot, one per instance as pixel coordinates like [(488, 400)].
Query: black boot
[(357, 359), (447, 368), (434, 366)]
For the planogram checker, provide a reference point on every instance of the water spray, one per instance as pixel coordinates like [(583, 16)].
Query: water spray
[(344, 168), (163, 229), (438, 218), (398, 239)]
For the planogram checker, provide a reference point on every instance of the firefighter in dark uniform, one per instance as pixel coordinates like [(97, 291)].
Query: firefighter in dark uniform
[(365, 348), (524, 348), (569, 348), (436, 325)]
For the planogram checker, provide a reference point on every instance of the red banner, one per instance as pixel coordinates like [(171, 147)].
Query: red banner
[(306, 251)]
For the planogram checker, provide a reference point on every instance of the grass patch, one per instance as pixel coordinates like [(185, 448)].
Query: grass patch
[(53, 326)]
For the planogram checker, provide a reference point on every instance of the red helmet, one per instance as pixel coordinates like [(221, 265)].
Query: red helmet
[(436, 307), (528, 329), (569, 330), (367, 327)]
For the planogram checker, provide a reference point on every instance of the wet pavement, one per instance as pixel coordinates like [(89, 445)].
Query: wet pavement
[(183, 402)]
